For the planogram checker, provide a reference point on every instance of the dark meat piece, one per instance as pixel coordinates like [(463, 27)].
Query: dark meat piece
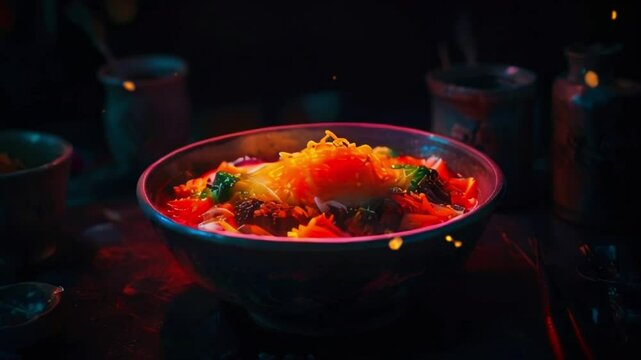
[(278, 218), (432, 186), (389, 217), (245, 210), (372, 217)]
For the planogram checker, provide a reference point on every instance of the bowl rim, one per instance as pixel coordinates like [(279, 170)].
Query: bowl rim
[(260, 241), (64, 155)]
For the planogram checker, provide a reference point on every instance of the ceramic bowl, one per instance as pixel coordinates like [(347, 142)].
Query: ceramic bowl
[(329, 285), (32, 199)]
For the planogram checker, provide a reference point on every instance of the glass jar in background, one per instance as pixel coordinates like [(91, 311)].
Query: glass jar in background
[(596, 139), (490, 107)]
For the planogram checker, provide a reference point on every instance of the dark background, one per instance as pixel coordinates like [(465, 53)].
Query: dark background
[(255, 60), (254, 63)]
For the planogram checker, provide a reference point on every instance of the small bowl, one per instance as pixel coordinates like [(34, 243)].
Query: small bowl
[(32, 199), (28, 313), (321, 286)]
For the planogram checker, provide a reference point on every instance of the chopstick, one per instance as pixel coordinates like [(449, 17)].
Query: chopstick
[(552, 333), (547, 296), (514, 246), (546, 280)]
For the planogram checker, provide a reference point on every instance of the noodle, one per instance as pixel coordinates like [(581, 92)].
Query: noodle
[(330, 188)]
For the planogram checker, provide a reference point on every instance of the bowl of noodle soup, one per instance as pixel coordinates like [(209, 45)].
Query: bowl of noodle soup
[(336, 282)]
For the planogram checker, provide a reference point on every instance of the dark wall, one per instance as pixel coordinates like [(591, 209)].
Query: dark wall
[(266, 52)]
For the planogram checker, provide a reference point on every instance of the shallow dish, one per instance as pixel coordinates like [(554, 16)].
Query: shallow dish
[(28, 313)]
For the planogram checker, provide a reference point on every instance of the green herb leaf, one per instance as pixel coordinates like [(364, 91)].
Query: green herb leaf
[(416, 174), (221, 189), (425, 180)]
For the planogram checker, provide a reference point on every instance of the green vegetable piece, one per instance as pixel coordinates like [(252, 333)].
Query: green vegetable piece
[(416, 174), (425, 180), (221, 189), (206, 193)]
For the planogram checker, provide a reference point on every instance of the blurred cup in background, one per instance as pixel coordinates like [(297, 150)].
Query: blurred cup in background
[(34, 172), (147, 108), (492, 108)]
